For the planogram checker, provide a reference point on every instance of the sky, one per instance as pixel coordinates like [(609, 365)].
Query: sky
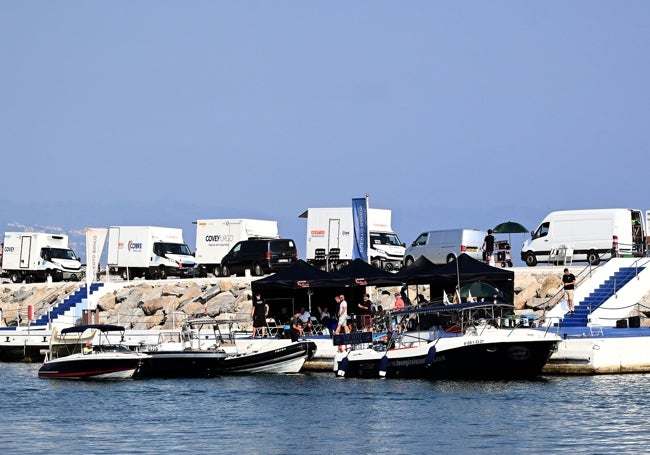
[(454, 114)]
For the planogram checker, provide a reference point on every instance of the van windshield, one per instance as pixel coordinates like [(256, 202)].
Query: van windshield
[(177, 248), (59, 253), (542, 230), (384, 238)]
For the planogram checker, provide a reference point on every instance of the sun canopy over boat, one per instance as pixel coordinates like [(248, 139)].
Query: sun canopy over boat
[(452, 308), (100, 327)]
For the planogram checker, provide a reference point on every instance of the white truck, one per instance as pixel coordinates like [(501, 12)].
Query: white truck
[(149, 251), (586, 235), (37, 256), (214, 238), (330, 238)]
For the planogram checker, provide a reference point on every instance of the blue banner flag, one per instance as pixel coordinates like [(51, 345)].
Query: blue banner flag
[(360, 221)]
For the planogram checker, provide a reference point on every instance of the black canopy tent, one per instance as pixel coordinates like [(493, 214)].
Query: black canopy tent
[(469, 270), (420, 272), (360, 273), (295, 286)]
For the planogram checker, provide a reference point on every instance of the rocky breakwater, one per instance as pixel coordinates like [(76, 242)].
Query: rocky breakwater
[(137, 305)]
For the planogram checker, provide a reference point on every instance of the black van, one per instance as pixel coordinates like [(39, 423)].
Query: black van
[(260, 256)]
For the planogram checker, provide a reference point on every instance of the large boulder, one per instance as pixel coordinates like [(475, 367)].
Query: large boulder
[(157, 304)]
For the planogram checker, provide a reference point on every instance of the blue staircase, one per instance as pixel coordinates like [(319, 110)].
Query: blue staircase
[(603, 292), (68, 303)]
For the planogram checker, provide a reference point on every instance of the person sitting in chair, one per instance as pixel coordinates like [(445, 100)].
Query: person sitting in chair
[(305, 319), (88, 349)]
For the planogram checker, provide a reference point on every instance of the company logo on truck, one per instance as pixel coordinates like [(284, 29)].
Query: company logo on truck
[(216, 238), (134, 246)]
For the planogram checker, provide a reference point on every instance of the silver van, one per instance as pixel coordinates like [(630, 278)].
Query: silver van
[(442, 246)]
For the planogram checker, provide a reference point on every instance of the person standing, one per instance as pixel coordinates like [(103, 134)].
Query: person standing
[(366, 308), (259, 312), (569, 281), (343, 315), (488, 246)]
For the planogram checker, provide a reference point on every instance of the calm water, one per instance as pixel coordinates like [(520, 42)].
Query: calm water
[(317, 413)]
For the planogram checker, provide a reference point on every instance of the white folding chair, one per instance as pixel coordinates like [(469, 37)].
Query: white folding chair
[(272, 327), (568, 255), (595, 328), (316, 327)]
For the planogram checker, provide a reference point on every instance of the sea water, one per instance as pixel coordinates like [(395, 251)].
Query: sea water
[(317, 413)]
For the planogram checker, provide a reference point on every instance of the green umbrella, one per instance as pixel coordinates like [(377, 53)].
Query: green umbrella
[(478, 289), (510, 227)]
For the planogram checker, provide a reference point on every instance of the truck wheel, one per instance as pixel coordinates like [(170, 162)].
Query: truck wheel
[(16, 277), (450, 258), (408, 262), (225, 270), (162, 273), (593, 258), (216, 271), (531, 260), (258, 270), (125, 275)]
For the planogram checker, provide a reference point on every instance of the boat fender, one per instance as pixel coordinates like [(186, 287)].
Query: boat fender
[(343, 365), (383, 366), (431, 356)]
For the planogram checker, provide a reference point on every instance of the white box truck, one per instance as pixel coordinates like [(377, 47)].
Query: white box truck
[(586, 235), (330, 238), (214, 238), (149, 251), (35, 256)]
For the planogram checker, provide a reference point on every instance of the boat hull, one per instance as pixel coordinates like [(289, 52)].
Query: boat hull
[(461, 358), (182, 364), (79, 366), (285, 359)]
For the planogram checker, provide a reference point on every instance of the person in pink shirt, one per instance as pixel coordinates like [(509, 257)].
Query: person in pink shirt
[(399, 303)]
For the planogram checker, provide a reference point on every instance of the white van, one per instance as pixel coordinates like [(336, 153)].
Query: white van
[(442, 246), (587, 235)]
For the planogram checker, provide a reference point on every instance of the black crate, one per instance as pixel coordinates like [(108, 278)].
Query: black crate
[(634, 321), (621, 324)]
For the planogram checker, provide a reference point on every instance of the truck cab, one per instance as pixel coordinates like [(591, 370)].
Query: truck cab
[(63, 263)]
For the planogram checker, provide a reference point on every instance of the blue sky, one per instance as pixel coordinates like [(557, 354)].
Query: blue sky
[(450, 113)]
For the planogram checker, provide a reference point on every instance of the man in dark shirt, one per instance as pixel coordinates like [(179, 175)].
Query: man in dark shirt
[(296, 327), (569, 281), (488, 246), (366, 308), (259, 312)]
